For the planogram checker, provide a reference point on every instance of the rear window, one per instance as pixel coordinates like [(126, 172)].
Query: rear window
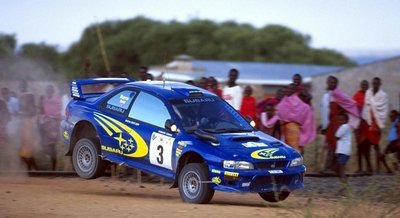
[(120, 102), (149, 109)]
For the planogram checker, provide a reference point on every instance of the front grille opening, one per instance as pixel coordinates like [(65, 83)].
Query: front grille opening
[(272, 165)]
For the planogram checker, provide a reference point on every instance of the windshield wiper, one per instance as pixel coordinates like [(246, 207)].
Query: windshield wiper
[(193, 129), (208, 130)]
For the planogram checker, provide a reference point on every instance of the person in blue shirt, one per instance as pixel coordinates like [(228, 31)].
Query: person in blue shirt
[(12, 102), (393, 139)]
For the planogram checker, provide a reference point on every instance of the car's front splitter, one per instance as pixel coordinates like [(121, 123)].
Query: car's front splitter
[(257, 180)]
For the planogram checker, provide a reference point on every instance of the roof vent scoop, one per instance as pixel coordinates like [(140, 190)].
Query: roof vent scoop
[(191, 93), (245, 138)]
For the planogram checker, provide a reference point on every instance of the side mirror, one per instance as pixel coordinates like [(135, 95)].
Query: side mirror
[(170, 126), (250, 121)]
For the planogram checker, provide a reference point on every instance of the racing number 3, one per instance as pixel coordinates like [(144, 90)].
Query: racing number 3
[(161, 150), (160, 158)]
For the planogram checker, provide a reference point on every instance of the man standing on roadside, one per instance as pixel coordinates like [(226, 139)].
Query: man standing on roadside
[(375, 113), (232, 92), (360, 132), (335, 102), (27, 113), (142, 73), (297, 118)]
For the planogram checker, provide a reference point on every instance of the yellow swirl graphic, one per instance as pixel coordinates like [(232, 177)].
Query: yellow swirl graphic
[(266, 154), (142, 148)]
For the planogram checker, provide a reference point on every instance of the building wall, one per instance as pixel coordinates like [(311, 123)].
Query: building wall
[(349, 80)]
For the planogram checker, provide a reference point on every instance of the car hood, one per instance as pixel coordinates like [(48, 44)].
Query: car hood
[(254, 146)]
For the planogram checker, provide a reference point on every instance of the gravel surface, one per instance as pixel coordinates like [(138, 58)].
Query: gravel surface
[(55, 196), (377, 188)]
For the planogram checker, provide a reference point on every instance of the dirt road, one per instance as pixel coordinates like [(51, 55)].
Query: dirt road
[(22, 196)]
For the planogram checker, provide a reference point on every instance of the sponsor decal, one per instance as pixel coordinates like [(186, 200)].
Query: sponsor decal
[(115, 108), (254, 144), (246, 184), (66, 134), (123, 99), (75, 90), (178, 152), (164, 133), (132, 122), (130, 143), (216, 180), (179, 148), (267, 154), (184, 143), (198, 100), (111, 149), (275, 171), (227, 173), (216, 171)]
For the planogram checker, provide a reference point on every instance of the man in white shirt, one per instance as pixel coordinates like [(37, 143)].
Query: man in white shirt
[(232, 92), (375, 113)]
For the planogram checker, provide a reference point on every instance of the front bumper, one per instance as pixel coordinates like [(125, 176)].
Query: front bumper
[(287, 179)]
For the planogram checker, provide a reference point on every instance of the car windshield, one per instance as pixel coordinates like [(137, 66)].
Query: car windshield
[(209, 114)]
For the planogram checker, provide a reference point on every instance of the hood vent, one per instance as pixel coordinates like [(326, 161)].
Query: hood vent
[(245, 138)]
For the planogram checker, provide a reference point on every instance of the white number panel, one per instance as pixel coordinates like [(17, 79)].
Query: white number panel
[(161, 150)]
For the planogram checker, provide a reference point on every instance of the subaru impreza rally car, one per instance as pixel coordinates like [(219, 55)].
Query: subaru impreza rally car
[(179, 132)]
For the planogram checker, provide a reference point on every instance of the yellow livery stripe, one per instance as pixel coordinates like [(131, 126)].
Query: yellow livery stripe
[(109, 132), (111, 125)]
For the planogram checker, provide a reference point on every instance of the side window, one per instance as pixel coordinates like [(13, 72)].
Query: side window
[(149, 109), (120, 102)]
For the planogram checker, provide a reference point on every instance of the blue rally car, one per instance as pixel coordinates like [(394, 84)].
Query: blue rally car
[(179, 132)]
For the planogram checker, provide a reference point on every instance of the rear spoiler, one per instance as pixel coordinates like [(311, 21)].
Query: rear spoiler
[(76, 85)]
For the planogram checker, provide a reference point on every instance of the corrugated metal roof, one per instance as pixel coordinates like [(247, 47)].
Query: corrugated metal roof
[(250, 72), (260, 70)]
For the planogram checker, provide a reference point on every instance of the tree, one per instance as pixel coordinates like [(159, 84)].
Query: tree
[(141, 41), (41, 53), (7, 45)]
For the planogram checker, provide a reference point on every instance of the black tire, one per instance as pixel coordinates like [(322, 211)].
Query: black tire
[(274, 196), (86, 159), (193, 184)]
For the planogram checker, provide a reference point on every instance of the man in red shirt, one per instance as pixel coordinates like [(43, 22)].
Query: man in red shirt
[(359, 98), (248, 106), (337, 102)]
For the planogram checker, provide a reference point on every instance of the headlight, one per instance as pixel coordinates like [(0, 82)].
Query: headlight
[(296, 162), (237, 165)]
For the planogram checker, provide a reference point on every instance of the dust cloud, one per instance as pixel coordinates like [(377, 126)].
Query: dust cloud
[(38, 76)]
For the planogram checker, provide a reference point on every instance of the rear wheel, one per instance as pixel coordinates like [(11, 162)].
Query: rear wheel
[(274, 196), (86, 159), (193, 184)]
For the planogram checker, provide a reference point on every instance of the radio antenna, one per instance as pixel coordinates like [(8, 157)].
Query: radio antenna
[(162, 73), (166, 71)]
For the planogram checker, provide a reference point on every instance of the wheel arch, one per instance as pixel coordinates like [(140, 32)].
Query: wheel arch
[(186, 158), (82, 129)]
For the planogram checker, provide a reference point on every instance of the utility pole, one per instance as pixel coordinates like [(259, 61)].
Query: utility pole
[(102, 48)]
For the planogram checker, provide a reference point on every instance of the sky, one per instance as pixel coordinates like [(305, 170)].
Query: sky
[(347, 25)]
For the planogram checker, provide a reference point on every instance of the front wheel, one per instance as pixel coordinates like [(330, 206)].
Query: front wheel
[(274, 196), (86, 159), (193, 184)]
